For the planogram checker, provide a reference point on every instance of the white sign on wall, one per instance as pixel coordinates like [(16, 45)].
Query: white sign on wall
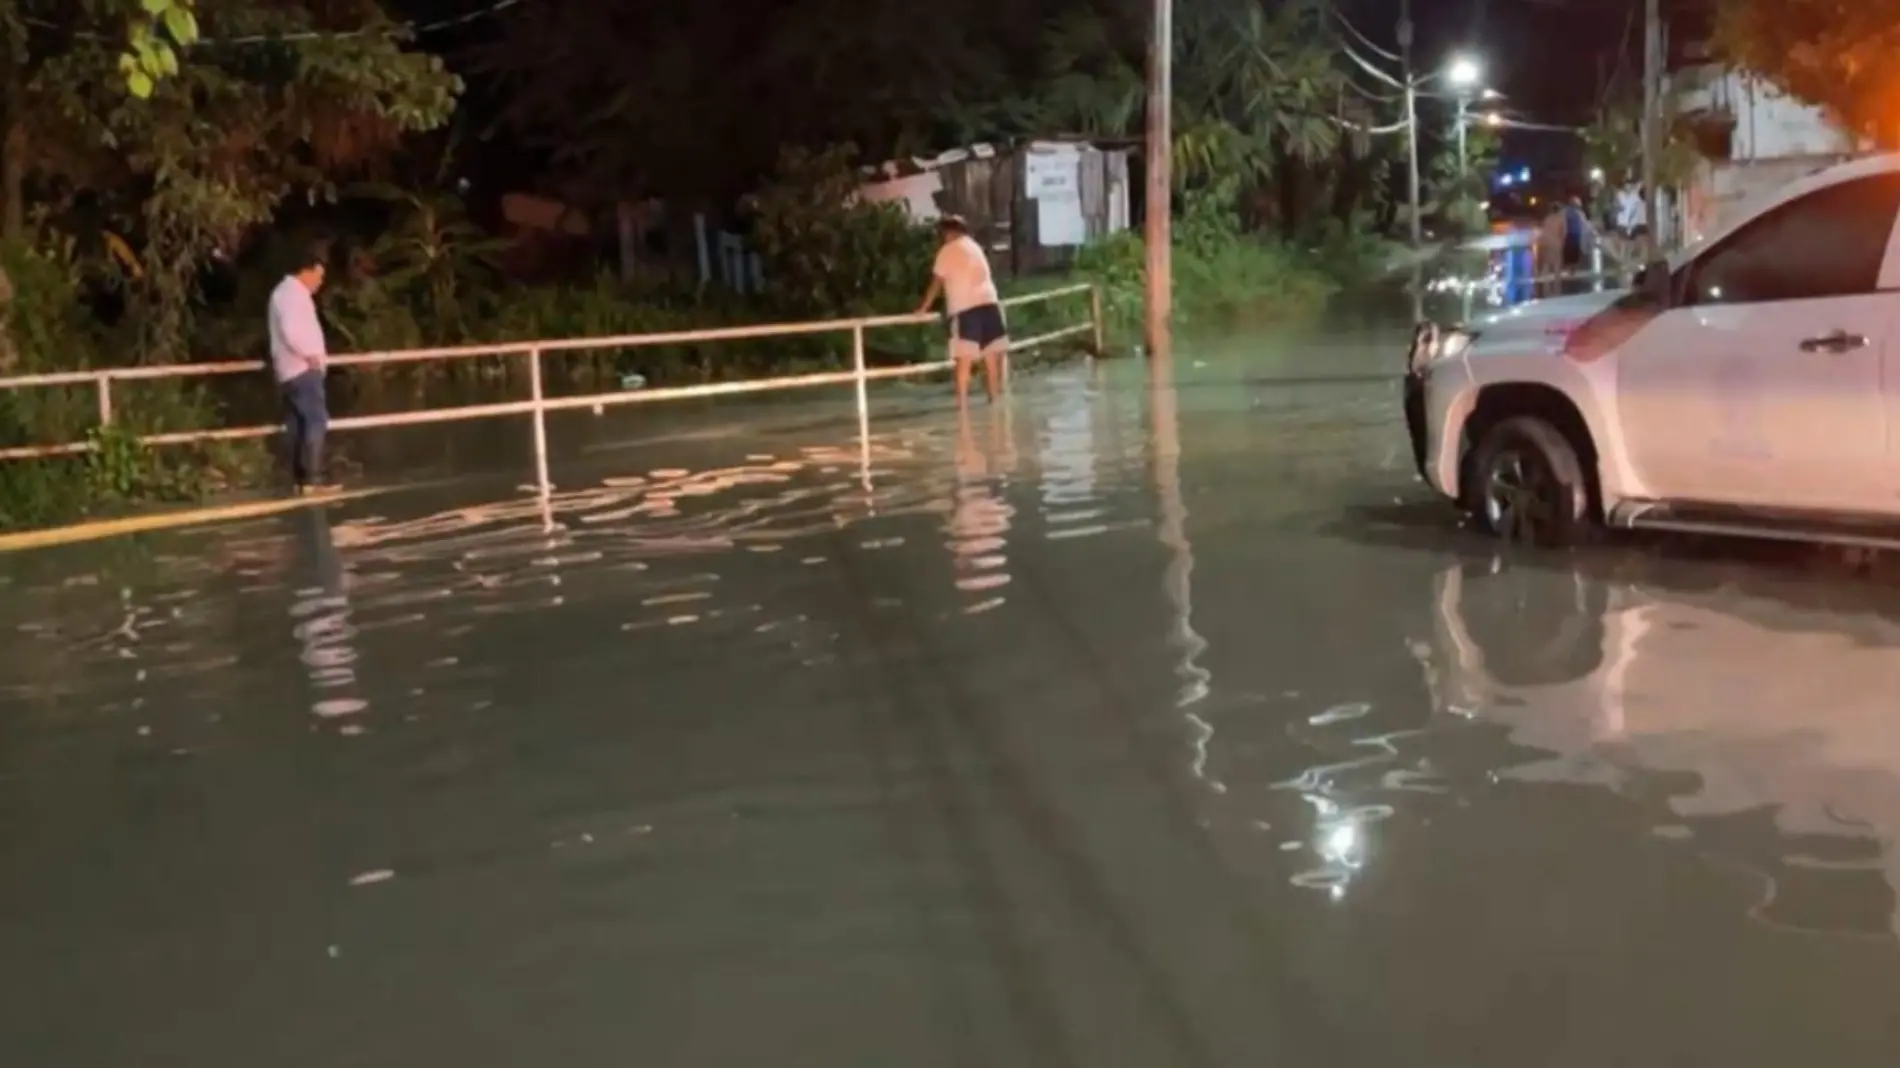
[(1052, 179), (1051, 172), (1059, 222)]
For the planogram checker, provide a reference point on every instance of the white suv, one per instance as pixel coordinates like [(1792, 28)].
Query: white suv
[(1743, 387)]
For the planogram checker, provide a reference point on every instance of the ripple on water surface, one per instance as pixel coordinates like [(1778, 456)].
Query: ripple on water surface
[(1003, 755)]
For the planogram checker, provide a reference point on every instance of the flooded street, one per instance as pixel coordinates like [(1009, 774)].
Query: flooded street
[(1118, 725)]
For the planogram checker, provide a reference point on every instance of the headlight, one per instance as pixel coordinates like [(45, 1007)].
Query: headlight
[(1432, 343), (1453, 343)]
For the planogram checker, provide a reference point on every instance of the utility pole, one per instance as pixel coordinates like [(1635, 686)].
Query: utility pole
[(1160, 180), (1464, 120), (1411, 119), (1653, 118)]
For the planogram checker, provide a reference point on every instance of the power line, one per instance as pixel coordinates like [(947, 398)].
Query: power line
[(404, 30), (400, 30), (1364, 41)]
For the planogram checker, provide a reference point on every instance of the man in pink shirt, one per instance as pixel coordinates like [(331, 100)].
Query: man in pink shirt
[(977, 329), (299, 360)]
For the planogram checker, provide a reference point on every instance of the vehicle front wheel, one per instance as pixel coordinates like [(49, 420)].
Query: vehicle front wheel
[(1528, 485)]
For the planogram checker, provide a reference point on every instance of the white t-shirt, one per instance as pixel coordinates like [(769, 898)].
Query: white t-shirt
[(965, 274), (1631, 208), (296, 334)]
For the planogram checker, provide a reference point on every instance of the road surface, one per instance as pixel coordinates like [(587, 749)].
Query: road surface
[(1121, 725)]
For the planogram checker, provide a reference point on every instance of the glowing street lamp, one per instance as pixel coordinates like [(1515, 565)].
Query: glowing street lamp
[(1464, 72)]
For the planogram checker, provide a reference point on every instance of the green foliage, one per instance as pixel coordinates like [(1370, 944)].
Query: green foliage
[(827, 254), (1614, 142), (153, 36), (1261, 90), (430, 256), (704, 105), (1830, 53), (47, 330), (1257, 91), (222, 141), (610, 308), (1455, 194), (1219, 270)]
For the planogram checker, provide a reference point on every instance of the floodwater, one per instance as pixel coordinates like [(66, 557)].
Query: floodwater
[(1120, 725)]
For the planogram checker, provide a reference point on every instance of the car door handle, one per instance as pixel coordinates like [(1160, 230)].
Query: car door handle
[(1838, 341)]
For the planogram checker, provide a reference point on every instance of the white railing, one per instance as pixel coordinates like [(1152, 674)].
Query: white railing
[(538, 404)]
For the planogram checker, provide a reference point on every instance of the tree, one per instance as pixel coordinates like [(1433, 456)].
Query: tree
[(153, 36), (1834, 54), (1614, 143), (1262, 103), (1453, 192), (282, 99), (636, 99)]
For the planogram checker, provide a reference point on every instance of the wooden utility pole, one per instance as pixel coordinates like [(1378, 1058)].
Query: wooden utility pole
[(1160, 178), (1411, 123), (1653, 118)]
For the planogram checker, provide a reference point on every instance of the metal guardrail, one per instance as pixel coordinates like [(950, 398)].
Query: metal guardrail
[(538, 403)]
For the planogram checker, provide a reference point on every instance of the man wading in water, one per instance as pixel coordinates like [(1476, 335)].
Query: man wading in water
[(299, 359), (962, 276)]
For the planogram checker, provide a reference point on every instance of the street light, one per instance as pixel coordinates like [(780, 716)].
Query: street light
[(1464, 73)]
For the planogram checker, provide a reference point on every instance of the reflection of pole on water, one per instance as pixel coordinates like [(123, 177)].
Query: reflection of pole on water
[(322, 622), (1177, 579)]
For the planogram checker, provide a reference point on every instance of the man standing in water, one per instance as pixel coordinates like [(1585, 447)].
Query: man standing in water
[(298, 359), (962, 275)]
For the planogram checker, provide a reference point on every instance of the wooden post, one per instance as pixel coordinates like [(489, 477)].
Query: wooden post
[(1095, 317), (1652, 119), (542, 484), (1413, 194), (864, 407), (1160, 280)]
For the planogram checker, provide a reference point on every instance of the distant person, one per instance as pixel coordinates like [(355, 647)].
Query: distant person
[(1563, 245), (299, 361), (977, 329), (1632, 212)]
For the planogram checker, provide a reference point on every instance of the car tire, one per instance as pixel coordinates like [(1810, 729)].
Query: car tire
[(1528, 485)]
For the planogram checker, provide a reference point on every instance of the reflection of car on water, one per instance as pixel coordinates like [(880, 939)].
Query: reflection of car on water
[(1753, 708), (1743, 387)]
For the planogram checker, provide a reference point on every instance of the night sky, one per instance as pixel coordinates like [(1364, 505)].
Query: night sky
[(1547, 56)]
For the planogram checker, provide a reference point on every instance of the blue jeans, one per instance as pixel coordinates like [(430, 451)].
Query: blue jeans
[(306, 419)]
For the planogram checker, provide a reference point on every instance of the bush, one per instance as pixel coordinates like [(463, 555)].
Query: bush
[(828, 254), (49, 328), (1219, 270)]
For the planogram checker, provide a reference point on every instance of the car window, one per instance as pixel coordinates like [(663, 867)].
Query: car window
[(1829, 243)]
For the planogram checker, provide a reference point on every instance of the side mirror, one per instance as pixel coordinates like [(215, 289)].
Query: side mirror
[(1653, 281)]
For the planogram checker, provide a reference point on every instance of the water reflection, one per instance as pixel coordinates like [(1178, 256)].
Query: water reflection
[(1178, 578), (321, 623), (980, 513), (1756, 731)]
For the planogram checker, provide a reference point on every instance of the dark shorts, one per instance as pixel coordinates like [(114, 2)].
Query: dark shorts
[(981, 326)]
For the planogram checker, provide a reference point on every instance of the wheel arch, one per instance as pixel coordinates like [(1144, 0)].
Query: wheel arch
[(1508, 400)]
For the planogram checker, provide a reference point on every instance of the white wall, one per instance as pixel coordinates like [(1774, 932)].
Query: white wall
[(1769, 124)]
